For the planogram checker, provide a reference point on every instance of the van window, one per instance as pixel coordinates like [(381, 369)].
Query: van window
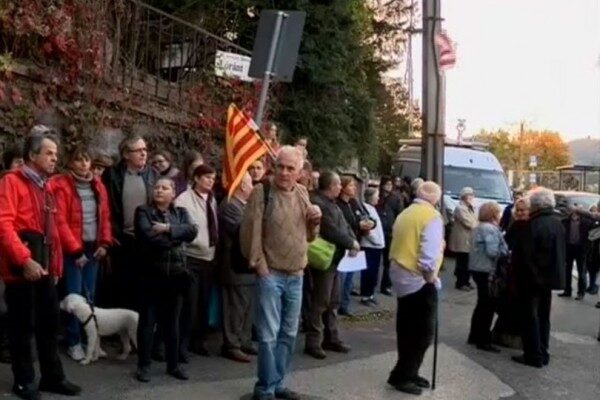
[(487, 184)]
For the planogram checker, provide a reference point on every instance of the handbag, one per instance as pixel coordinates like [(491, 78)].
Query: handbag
[(320, 254)]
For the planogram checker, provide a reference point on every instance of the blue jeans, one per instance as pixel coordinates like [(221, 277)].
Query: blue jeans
[(76, 280), (279, 299), (346, 292)]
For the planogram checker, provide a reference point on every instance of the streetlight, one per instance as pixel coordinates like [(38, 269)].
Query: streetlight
[(460, 128)]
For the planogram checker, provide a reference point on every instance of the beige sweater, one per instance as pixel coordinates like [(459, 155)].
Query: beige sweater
[(196, 208), (280, 240)]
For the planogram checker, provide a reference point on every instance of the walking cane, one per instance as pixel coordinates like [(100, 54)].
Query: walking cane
[(435, 346)]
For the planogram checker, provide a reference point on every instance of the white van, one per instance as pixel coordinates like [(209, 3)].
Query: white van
[(465, 164)]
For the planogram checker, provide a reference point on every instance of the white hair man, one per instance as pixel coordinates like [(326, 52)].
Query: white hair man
[(542, 255), (31, 265), (416, 255), (278, 223)]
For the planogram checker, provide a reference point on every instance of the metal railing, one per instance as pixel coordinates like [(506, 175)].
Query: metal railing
[(157, 54)]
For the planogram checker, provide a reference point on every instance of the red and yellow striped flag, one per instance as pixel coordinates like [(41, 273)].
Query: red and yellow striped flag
[(243, 146)]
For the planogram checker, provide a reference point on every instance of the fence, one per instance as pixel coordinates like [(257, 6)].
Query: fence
[(158, 54)]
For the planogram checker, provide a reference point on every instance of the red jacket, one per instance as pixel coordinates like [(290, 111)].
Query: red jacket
[(20, 210), (69, 214)]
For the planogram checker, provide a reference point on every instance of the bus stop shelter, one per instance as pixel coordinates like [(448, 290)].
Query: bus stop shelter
[(579, 177)]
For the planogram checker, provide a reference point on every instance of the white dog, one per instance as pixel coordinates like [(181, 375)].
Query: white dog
[(102, 322)]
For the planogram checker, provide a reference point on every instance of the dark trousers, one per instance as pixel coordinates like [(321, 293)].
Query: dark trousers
[(307, 288), (576, 253), (196, 305), (415, 324), (368, 277), (483, 315), (461, 270), (33, 310), (386, 283), (162, 305), (121, 287), (535, 320), (238, 316), (322, 324)]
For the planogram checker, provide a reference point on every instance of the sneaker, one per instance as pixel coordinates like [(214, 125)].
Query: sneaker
[(76, 352), (579, 297)]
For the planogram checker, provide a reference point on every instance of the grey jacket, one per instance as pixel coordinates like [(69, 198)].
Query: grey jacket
[(487, 246)]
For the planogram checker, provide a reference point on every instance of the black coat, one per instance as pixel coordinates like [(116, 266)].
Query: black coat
[(388, 208), (354, 213), (113, 179), (539, 254), (586, 224), (163, 253)]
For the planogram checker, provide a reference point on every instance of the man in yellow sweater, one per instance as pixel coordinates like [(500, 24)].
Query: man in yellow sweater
[(416, 254)]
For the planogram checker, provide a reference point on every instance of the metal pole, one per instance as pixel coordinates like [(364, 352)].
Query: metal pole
[(266, 82), (433, 137)]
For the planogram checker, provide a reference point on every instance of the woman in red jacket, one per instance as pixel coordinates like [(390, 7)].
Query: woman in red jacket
[(83, 220)]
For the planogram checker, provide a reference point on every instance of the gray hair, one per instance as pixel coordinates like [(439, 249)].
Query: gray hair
[(166, 179), (33, 142), (126, 143), (292, 151), (430, 192), (541, 198), (415, 184)]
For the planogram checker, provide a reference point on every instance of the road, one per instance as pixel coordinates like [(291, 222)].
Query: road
[(464, 372)]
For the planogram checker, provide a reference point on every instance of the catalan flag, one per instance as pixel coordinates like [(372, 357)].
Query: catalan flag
[(243, 146)]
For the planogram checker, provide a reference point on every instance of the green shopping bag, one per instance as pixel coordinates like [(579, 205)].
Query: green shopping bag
[(320, 254)]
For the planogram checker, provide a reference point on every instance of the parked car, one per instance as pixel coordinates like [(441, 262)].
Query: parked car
[(566, 200)]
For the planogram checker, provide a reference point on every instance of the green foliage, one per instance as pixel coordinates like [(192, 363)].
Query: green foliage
[(338, 98)]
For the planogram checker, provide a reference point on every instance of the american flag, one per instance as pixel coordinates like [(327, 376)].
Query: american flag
[(447, 51), (243, 146)]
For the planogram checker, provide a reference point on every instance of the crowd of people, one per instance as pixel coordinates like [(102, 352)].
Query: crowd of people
[(516, 258), (142, 234)]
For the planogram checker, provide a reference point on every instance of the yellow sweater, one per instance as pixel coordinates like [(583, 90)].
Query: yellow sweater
[(406, 236)]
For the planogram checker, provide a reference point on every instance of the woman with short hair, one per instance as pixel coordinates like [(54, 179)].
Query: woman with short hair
[(373, 244), (161, 229), (487, 247)]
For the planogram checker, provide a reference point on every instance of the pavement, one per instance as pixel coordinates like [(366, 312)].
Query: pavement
[(463, 371)]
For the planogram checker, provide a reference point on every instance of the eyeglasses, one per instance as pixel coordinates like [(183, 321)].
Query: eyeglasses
[(140, 150)]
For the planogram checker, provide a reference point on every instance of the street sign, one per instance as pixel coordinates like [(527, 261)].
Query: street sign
[(533, 162), (532, 179), (232, 65), (281, 30)]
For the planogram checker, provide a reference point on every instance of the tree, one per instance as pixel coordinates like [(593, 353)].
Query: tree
[(514, 150), (338, 98)]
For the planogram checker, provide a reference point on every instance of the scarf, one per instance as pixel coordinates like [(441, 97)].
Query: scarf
[(83, 179), (34, 176)]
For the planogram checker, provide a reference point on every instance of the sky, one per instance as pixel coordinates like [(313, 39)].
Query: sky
[(522, 60)]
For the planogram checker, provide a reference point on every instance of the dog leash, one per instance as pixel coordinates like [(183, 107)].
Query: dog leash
[(88, 299)]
